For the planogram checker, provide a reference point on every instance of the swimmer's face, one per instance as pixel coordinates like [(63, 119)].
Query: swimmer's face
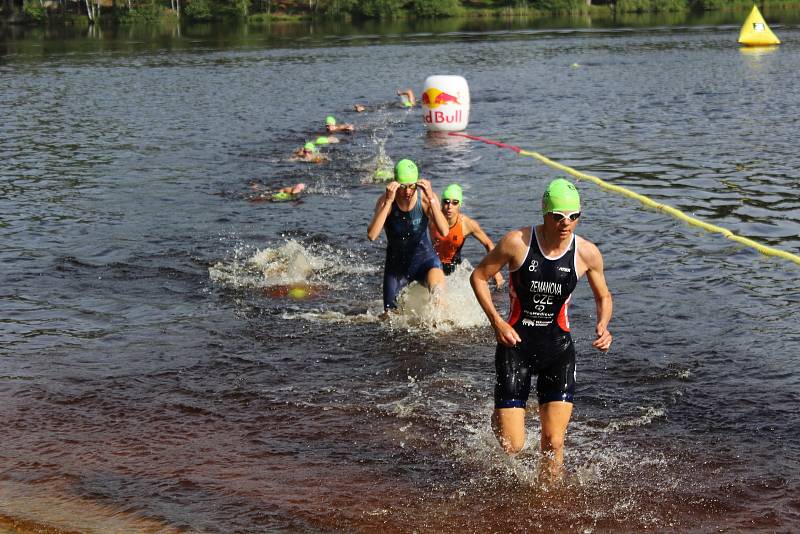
[(564, 223), (451, 207), (329, 128), (407, 190)]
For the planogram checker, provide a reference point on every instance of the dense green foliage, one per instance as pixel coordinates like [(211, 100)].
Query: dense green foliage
[(34, 10), (132, 11), (198, 10), (142, 12), (651, 6), (560, 6)]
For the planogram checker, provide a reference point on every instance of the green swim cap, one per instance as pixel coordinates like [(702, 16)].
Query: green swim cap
[(281, 196), (561, 195), (452, 192), (321, 140), (384, 174), (330, 120), (310, 146), (406, 172)]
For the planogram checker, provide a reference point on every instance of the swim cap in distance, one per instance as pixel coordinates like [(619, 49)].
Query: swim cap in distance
[(384, 174), (406, 172), (330, 120), (281, 196), (452, 192), (322, 140), (561, 195), (310, 147)]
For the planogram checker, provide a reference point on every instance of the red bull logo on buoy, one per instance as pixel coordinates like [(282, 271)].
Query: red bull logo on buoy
[(445, 103)]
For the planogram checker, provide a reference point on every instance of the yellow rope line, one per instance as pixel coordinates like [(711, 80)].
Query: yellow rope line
[(678, 214)]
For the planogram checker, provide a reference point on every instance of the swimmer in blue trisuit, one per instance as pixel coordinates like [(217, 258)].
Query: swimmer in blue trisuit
[(545, 263), (404, 214)]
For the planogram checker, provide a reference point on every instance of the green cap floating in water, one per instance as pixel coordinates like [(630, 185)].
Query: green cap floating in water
[(322, 140), (406, 172), (330, 120), (561, 195), (453, 192), (310, 147)]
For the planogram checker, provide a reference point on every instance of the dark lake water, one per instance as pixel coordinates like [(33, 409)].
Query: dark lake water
[(156, 377)]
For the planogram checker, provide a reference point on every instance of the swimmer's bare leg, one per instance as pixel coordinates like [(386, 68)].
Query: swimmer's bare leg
[(508, 425), (436, 285), (554, 417)]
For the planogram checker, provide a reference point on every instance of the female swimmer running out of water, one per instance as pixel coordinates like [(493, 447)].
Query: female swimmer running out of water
[(545, 262), (403, 213), (449, 247)]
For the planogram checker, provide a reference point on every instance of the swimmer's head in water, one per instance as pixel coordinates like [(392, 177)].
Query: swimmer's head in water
[(321, 140), (453, 193), (309, 147), (561, 195), (405, 172), (330, 121)]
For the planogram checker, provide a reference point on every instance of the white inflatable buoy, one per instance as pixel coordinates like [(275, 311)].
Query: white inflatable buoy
[(445, 103)]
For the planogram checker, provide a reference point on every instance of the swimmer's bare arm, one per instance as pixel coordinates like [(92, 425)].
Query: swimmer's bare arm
[(474, 229), (409, 94), (432, 231), (430, 202), (382, 209), (592, 260), (505, 253)]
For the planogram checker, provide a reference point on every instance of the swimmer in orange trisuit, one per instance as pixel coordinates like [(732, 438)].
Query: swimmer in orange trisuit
[(449, 247)]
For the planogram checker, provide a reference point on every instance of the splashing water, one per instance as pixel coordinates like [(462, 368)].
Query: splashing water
[(289, 264), (380, 167), (442, 310)]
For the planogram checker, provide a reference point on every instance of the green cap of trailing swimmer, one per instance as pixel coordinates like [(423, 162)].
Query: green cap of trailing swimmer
[(330, 120), (321, 140), (384, 174), (311, 147), (406, 172), (452, 192), (281, 196), (561, 195)]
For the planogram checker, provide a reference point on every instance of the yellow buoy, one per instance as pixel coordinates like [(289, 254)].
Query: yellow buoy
[(755, 31)]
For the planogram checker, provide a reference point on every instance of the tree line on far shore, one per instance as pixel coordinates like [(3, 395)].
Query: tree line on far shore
[(128, 11)]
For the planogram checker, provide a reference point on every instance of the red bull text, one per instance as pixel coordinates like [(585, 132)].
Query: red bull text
[(442, 117), (434, 98)]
